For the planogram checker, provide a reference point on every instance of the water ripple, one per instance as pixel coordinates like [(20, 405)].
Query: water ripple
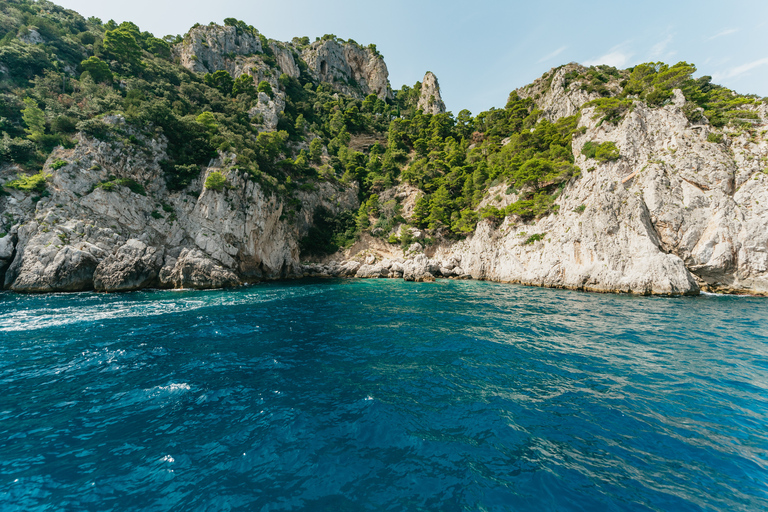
[(382, 395)]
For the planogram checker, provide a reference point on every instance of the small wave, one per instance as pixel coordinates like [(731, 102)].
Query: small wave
[(713, 294), (150, 304), (171, 389)]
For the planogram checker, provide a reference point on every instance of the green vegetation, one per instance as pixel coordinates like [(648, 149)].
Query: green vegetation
[(653, 83), (32, 183), (132, 185), (329, 232), (534, 238), (216, 181), (88, 70), (715, 138), (58, 164), (603, 152)]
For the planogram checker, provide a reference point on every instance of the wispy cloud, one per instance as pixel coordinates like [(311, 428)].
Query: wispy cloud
[(744, 68), (553, 54), (659, 48), (615, 58), (724, 33)]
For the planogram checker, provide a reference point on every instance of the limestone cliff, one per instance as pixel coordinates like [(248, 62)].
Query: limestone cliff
[(209, 48), (350, 68), (111, 224), (629, 185), (346, 66), (677, 213)]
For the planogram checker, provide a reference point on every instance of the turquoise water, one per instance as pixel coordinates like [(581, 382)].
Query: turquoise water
[(382, 395)]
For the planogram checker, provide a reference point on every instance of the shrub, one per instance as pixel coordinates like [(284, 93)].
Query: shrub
[(17, 150), (607, 151), (215, 181), (58, 164), (33, 183), (534, 238), (603, 152), (610, 110), (107, 186), (96, 128), (132, 185), (715, 138), (243, 85), (265, 88), (466, 223)]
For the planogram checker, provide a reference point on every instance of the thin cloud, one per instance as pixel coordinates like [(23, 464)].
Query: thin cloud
[(616, 59), (553, 54), (658, 49), (724, 33), (740, 70)]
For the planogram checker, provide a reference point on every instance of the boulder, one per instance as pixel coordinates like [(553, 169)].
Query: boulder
[(47, 268), (133, 266), (193, 269)]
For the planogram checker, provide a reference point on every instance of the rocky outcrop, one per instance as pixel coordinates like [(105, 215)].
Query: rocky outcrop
[(7, 247), (31, 36), (430, 100), (86, 236), (193, 269), (557, 97), (285, 60), (45, 266), (209, 48), (267, 111), (677, 213), (132, 266), (350, 68), (347, 66)]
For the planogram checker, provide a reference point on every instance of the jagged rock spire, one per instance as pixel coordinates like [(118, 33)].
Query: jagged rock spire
[(430, 100)]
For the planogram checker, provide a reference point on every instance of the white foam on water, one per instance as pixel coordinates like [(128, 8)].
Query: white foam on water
[(152, 305), (713, 294)]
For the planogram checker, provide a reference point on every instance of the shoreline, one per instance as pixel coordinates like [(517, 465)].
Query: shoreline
[(433, 279)]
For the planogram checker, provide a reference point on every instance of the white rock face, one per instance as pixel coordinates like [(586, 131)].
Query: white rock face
[(84, 237), (557, 99), (285, 60), (430, 100), (676, 213), (269, 110), (209, 48), (132, 266), (338, 64)]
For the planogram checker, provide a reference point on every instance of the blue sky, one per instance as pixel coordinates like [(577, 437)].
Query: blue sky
[(482, 50)]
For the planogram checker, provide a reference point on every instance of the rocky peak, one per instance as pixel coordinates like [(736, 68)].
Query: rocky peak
[(350, 68), (430, 100), (562, 91), (209, 48)]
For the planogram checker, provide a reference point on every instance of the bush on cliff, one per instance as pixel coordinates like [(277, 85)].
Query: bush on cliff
[(216, 181)]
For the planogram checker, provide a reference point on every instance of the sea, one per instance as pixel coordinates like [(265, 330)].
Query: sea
[(383, 395)]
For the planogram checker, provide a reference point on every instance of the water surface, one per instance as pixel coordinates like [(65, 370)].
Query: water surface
[(382, 395)]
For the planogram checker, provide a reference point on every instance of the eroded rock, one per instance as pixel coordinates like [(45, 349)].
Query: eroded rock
[(133, 266)]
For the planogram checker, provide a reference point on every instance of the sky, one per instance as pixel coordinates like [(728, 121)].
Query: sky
[(482, 50)]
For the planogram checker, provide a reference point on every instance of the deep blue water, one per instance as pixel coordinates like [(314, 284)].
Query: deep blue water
[(383, 395)]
